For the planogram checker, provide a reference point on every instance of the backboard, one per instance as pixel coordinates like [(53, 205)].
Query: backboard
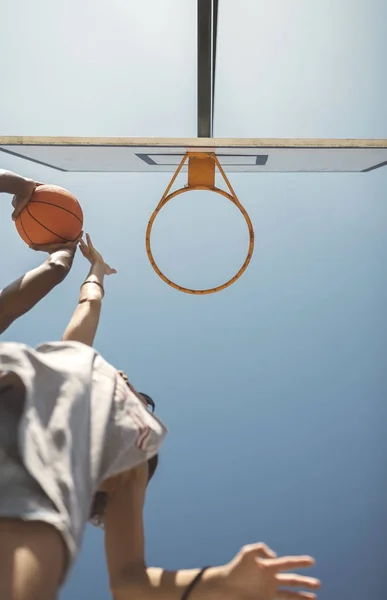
[(149, 155)]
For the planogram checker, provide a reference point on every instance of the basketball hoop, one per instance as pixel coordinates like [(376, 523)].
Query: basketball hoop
[(201, 176)]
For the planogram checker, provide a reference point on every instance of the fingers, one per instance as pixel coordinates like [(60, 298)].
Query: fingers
[(268, 561), (40, 247), (89, 242), (287, 563), (19, 203), (73, 243), (84, 247), (294, 580), (93, 255), (261, 550), (54, 247), (290, 595), (50, 248)]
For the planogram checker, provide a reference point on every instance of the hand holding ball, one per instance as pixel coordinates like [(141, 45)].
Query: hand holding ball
[(52, 216)]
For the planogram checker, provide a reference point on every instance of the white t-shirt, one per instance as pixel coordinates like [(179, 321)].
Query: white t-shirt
[(81, 424)]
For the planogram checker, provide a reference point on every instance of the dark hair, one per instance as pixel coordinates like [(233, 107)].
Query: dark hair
[(149, 401), (100, 499)]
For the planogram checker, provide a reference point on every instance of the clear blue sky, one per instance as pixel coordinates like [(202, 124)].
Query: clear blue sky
[(274, 391)]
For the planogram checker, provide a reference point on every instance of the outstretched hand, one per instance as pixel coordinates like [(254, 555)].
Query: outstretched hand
[(257, 574), (93, 256)]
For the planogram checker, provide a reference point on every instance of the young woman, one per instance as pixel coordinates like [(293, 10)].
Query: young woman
[(77, 443)]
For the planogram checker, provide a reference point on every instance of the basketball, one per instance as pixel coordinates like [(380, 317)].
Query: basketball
[(53, 215)]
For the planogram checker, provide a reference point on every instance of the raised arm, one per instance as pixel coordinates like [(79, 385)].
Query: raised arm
[(254, 574), (125, 547), (24, 293), (83, 324)]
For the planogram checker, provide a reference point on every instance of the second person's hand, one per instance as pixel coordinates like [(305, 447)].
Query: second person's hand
[(93, 256), (257, 574)]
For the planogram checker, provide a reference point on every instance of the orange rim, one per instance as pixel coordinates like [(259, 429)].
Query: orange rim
[(230, 196)]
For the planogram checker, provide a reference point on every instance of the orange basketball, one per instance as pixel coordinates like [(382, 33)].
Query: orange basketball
[(53, 215)]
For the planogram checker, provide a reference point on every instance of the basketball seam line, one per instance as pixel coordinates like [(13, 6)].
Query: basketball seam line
[(47, 228), (56, 206), (22, 224)]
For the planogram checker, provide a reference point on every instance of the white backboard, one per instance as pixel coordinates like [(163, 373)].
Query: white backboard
[(164, 154)]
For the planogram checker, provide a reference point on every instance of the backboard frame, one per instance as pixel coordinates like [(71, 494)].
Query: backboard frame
[(374, 152)]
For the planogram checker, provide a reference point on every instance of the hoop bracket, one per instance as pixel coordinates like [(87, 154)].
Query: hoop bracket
[(201, 176), (201, 171)]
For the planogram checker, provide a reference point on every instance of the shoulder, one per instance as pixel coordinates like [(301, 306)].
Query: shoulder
[(133, 477), (54, 346)]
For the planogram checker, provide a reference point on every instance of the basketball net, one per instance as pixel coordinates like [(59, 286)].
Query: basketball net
[(201, 176)]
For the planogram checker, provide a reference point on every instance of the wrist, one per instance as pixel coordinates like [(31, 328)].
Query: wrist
[(96, 276), (11, 183), (27, 186), (91, 290), (211, 585), (61, 261), (97, 270), (63, 257)]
